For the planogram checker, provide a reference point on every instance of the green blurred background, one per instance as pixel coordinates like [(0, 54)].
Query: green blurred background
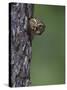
[(48, 58)]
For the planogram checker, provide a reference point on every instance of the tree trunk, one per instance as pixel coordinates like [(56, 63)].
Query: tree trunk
[(20, 44)]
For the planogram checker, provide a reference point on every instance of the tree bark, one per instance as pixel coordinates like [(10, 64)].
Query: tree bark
[(20, 44)]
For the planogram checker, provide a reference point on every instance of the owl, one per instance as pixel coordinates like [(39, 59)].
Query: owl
[(37, 27)]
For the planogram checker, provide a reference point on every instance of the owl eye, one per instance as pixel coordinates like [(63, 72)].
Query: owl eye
[(34, 28), (40, 26)]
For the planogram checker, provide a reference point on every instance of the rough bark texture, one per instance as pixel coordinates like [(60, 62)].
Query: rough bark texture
[(20, 49)]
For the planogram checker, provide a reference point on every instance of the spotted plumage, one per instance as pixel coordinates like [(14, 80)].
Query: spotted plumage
[(36, 26)]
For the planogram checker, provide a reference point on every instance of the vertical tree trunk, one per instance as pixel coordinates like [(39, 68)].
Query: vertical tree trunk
[(20, 44)]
